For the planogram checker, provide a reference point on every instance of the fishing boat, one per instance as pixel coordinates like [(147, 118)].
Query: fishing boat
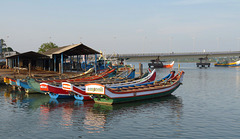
[(83, 79), (227, 64), (6, 80), (12, 82), (23, 85), (80, 92), (35, 83), (102, 94), (169, 65), (159, 64), (56, 90)]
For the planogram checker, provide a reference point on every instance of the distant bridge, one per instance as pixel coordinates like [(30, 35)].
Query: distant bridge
[(150, 56)]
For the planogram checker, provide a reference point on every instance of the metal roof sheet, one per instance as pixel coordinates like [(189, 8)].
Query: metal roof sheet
[(75, 49), (29, 55)]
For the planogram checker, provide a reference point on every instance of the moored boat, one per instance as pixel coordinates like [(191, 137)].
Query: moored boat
[(6, 80), (33, 84), (12, 82), (23, 84), (159, 64), (80, 90), (84, 79), (227, 64), (169, 65), (55, 90), (102, 94)]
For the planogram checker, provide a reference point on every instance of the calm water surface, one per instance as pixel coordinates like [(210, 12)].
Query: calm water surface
[(205, 106)]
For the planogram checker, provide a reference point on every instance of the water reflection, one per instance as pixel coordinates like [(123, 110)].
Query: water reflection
[(67, 112), (103, 115), (23, 100), (91, 117)]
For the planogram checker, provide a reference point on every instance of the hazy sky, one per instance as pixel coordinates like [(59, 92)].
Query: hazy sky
[(123, 26)]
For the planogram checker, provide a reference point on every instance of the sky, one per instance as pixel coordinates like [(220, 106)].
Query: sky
[(123, 26)]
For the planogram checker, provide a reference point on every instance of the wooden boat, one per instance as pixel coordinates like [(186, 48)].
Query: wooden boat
[(12, 82), (60, 91), (35, 84), (159, 64), (22, 84), (55, 91), (102, 94), (169, 65), (80, 92), (6, 80), (84, 79), (227, 64), (125, 74), (33, 87)]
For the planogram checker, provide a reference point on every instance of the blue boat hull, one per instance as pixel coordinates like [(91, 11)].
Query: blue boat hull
[(57, 96)]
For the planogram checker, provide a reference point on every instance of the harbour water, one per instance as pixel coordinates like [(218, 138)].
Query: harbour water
[(205, 106)]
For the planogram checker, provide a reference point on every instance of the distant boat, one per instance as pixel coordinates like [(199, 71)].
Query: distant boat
[(159, 64), (227, 64), (169, 66)]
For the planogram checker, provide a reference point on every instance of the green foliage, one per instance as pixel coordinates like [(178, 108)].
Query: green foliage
[(7, 49), (3, 44), (46, 46)]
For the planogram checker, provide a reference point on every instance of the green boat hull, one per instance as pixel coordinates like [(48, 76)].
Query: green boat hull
[(107, 100), (35, 86)]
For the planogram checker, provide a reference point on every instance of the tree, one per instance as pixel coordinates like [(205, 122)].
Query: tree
[(46, 46), (3, 42), (7, 49)]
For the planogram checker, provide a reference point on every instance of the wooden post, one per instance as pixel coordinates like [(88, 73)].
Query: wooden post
[(6, 63), (29, 69), (140, 69), (77, 64), (55, 61), (85, 57), (44, 64), (60, 68), (62, 59), (49, 64)]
